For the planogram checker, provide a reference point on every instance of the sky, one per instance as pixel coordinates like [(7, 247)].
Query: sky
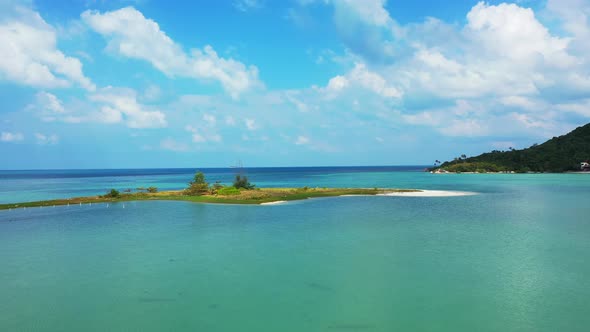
[(146, 83)]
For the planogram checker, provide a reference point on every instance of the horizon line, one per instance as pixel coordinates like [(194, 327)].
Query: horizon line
[(209, 167)]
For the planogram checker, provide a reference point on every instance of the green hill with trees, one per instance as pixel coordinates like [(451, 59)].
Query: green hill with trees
[(559, 154)]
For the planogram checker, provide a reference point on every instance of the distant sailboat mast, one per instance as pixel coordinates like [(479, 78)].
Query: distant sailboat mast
[(239, 167)]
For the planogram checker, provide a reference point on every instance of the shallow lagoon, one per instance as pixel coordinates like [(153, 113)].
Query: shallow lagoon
[(513, 258)]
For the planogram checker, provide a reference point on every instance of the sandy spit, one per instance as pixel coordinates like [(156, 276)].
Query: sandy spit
[(430, 193), (273, 203)]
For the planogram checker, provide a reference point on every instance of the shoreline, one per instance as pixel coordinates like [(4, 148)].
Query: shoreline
[(258, 196), (262, 197), (423, 193), (505, 172), (274, 203), (430, 193)]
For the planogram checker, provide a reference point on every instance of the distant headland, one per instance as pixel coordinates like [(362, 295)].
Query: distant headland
[(567, 153)]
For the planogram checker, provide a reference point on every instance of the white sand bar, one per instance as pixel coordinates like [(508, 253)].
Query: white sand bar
[(273, 203), (430, 193)]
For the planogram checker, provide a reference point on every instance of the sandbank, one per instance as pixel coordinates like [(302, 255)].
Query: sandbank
[(429, 193), (273, 203)]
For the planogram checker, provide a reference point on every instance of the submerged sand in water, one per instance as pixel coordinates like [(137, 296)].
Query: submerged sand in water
[(273, 203), (430, 193)]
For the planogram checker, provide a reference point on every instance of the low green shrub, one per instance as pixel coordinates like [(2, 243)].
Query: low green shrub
[(214, 188), (228, 191)]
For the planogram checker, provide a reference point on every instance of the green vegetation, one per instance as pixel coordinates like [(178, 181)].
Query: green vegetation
[(113, 193), (241, 181), (476, 167), (198, 186), (242, 192), (258, 196), (228, 191), (559, 154)]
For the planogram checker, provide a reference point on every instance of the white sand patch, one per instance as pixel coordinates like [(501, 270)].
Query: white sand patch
[(273, 203), (430, 193)]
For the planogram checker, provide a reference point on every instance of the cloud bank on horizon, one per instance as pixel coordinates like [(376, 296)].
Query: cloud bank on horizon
[(305, 82)]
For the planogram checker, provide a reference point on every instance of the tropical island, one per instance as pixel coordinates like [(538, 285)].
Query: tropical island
[(567, 153), (200, 191)]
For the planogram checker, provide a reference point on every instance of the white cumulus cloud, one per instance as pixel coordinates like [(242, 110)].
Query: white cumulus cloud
[(120, 104), (29, 53), (246, 5), (173, 145), (203, 134), (11, 137), (45, 139), (302, 140), (508, 30), (361, 76), (251, 124), (131, 34)]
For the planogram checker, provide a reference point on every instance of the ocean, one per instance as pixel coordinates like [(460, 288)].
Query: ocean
[(513, 257)]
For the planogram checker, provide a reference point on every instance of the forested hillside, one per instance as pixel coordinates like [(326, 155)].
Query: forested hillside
[(559, 154)]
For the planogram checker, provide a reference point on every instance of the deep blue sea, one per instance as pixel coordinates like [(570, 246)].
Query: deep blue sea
[(513, 257)]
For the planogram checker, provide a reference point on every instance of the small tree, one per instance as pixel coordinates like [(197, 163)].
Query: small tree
[(113, 193), (228, 191), (198, 186), (152, 190), (199, 178), (241, 181)]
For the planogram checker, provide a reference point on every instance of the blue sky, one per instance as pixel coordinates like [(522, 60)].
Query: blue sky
[(117, 84)]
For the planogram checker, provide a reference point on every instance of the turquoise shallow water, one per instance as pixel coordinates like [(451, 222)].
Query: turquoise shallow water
[(512, 258)]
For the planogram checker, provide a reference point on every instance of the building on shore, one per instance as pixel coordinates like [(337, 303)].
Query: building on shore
[(585, 166)]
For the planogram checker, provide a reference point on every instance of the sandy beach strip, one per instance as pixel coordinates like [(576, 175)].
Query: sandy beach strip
[(273, 203), (430, 193)]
